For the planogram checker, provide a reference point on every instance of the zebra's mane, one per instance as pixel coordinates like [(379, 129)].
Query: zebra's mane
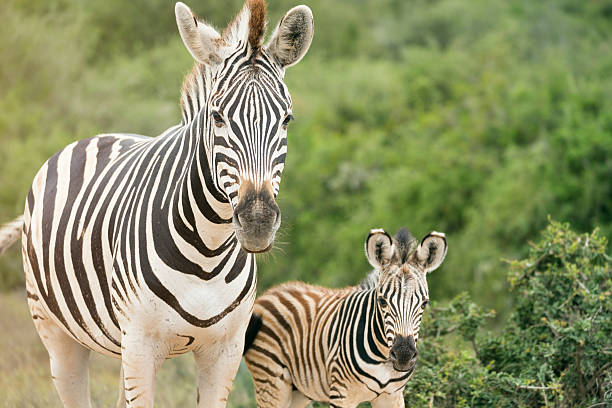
[(194, 90), (249, 24), (370, 281), (404, 245), (247, 29)]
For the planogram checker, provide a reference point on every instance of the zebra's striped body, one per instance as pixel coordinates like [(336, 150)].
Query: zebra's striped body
[(142, 248), (107, 240), (344, 346)]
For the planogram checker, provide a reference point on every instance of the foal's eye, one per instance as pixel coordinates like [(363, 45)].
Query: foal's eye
[(219, 122), (424, 304), (382, 302), (288, 119)]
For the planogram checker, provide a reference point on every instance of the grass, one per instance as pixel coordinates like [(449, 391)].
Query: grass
[(25, 377)]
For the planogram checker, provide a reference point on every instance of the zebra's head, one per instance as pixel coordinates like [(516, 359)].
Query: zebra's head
[(401, 291), (244, 108)]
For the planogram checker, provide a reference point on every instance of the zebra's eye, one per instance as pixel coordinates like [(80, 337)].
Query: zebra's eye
[(382, 302), (219, 122), (288, 119), (424, 304)]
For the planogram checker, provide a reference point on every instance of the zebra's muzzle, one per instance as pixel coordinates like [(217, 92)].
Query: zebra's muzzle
[(403, 353), (256, 219)]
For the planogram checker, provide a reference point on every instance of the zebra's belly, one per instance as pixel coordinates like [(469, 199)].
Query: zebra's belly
[(98, 322), (86, 321), (157, 321)]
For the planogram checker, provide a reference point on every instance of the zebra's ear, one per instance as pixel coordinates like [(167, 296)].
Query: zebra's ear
[(431, 251), (292, 37), (201, 39), (378, 248)]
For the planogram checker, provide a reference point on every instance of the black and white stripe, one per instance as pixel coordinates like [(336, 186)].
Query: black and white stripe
[(142, 248), (345, 346)]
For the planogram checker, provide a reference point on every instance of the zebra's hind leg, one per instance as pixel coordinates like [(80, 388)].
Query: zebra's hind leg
[(68, 359), (69, 364), (121, 398), (274, 390)]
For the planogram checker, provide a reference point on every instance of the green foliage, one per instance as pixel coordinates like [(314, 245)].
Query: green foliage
[(554, 351), (448, 373), (559, 335)]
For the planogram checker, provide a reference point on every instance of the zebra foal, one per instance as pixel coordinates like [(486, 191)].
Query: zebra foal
[(143, 248), (345, 346)]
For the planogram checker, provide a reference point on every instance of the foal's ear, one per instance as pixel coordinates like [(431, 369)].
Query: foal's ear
[(378, 247), (292, 37), (431, 251), (201, 39)]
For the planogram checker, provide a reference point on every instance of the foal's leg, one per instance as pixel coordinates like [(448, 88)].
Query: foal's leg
[(299, 400), (275, 392)]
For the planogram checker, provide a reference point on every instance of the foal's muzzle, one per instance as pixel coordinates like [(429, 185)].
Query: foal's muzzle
[(403, 353)]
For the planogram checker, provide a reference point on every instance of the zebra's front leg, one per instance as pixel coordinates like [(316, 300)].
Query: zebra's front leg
[(141, 357), (217, 367)]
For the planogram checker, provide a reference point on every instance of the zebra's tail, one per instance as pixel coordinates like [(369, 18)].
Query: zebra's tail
[(10, 233), (251, 332)]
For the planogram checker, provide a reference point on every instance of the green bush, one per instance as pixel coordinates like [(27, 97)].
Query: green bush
[(555, 350)]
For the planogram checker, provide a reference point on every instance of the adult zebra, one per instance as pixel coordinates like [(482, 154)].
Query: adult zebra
[(142, 248), (345, 346)]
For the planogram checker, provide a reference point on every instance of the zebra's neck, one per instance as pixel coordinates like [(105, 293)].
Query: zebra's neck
[(372, 346), (200, 213)]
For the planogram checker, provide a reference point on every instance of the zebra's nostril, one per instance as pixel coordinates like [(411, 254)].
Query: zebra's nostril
[(393, 355), (236, 221)]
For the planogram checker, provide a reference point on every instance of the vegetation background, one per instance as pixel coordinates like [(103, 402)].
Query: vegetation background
[(477, 118)]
